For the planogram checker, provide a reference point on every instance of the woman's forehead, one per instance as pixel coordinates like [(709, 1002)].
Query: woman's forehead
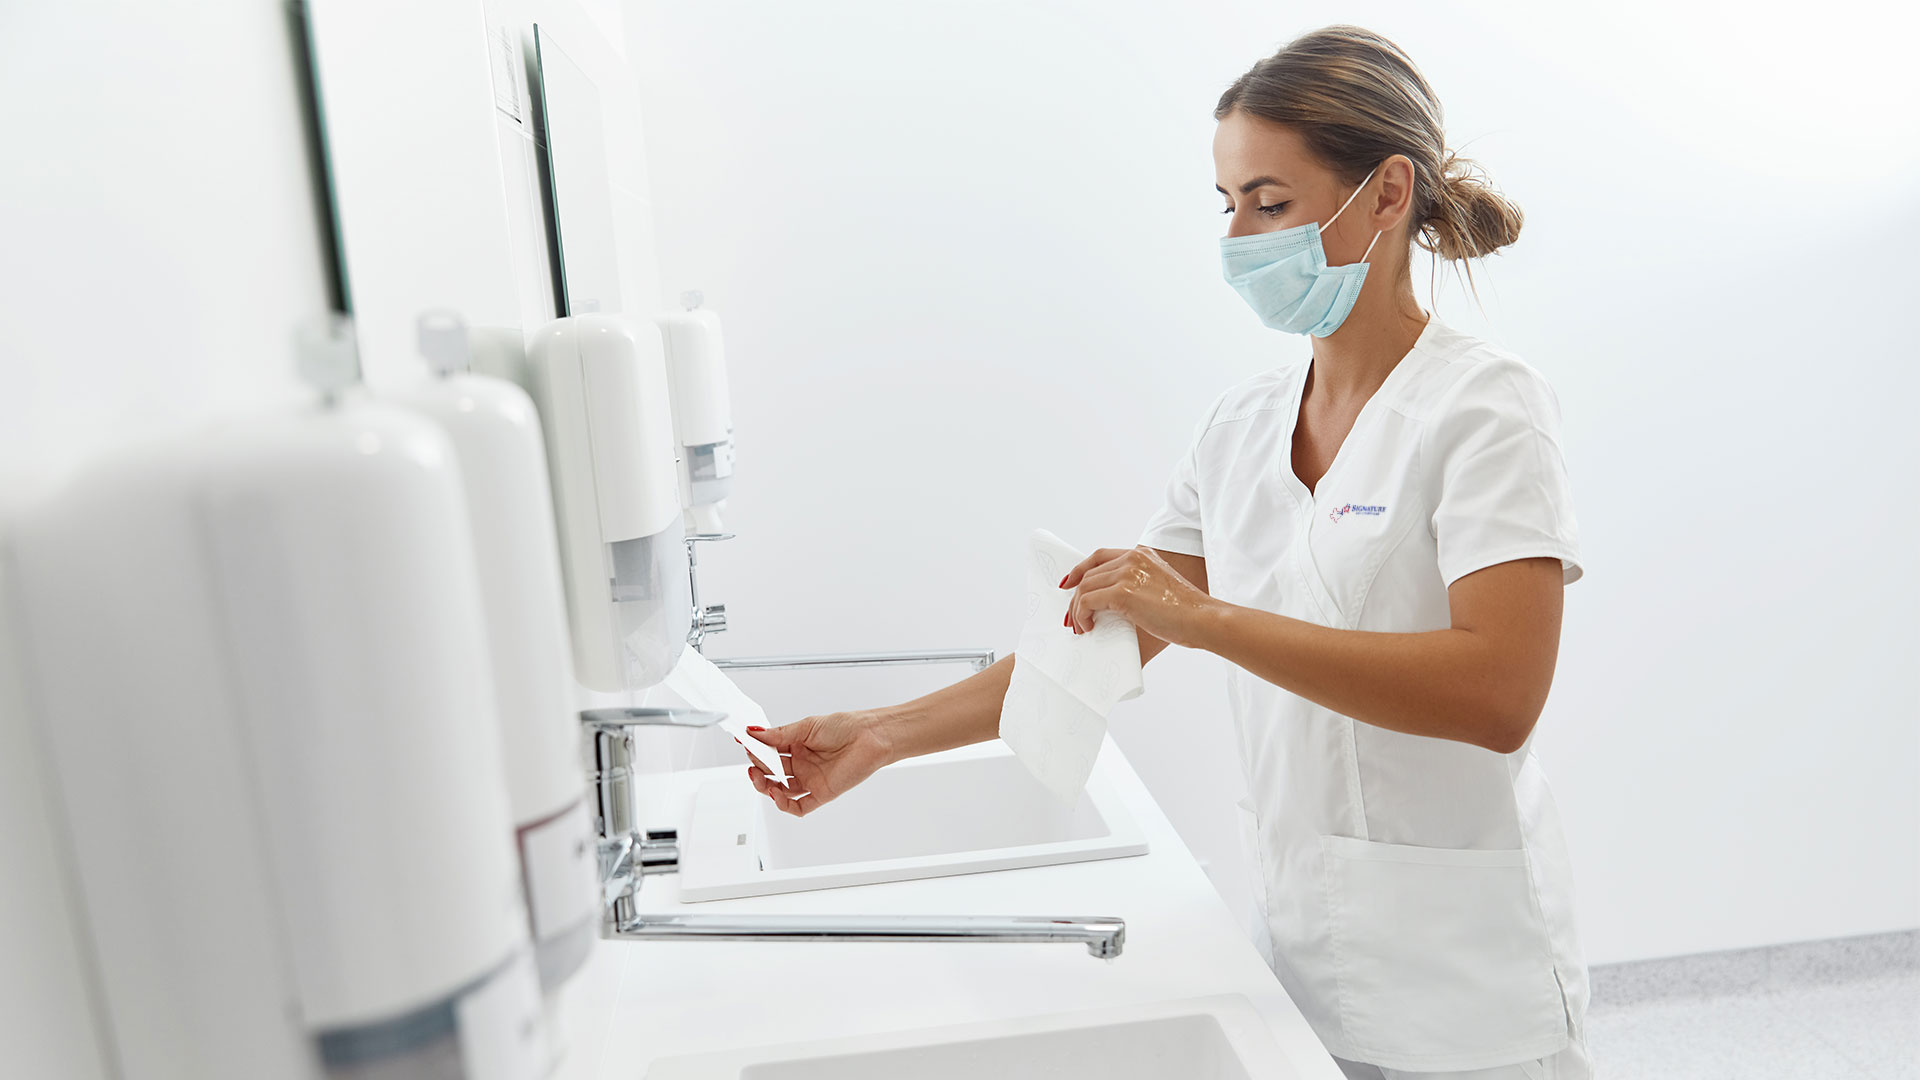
[(1247, 148)]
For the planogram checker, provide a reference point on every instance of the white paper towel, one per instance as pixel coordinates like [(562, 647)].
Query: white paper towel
[(1064, 684), (704, 686)]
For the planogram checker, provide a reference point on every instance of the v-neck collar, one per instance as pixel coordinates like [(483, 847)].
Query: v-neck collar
[(1294, 484)]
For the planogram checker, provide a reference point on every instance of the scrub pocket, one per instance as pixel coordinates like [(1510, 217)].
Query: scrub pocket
[(1441, 955)]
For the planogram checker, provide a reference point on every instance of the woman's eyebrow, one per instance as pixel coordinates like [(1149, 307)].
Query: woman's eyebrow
[(1258, 181)]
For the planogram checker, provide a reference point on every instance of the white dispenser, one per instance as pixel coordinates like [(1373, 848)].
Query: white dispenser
[(496, 437), (601, 387), (50, 1021), (702, 415), (255, 660)]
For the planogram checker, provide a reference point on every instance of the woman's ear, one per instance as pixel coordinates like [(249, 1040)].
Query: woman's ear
[(1395, 201)]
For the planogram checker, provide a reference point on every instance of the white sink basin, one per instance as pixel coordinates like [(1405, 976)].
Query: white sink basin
[(962, 811), (1221, 1037)]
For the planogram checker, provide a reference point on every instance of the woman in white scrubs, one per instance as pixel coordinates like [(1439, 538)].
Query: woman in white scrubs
[(1376, 538)]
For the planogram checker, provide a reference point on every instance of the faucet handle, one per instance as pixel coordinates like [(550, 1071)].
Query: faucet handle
[(626, 717), (624, 850)]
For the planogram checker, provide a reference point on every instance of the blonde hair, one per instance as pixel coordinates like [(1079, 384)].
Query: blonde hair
[(1356, 99)]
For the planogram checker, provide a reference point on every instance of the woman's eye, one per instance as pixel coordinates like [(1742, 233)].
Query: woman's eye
[(1274, 210), (1228, 210)]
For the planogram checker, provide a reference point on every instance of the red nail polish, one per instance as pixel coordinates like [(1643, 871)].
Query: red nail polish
[(755, 727), (1063, 581)]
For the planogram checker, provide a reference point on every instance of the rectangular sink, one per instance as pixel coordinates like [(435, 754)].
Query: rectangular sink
[(963, 811), (1220, 1037)]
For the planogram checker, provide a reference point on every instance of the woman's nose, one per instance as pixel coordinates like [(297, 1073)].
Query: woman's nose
[(1240, 226)]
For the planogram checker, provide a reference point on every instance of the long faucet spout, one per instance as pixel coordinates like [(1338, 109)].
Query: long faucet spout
[(1103, 936)]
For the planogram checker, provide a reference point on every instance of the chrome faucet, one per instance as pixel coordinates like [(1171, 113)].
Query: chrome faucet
[(712, 619), (628, 855), (979, 659)]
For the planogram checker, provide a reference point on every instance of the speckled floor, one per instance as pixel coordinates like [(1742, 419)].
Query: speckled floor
[(1843, 1008)]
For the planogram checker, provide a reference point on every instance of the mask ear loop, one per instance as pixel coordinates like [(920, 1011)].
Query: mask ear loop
[(1349, 202), (1370, 243)]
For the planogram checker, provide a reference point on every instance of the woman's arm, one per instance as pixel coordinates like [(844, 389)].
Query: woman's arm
[(833, 753), (969, 711), (1482, 680)]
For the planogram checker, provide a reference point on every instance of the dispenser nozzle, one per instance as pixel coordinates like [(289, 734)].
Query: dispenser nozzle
[(325, 354), (442, 338)]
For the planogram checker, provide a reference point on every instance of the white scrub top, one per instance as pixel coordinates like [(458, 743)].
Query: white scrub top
[(1412, 893)]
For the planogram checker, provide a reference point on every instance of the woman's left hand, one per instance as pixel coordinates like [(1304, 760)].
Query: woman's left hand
[(1139, 586)]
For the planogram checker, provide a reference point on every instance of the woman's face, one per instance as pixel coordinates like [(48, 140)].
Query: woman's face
[(1271, 181)]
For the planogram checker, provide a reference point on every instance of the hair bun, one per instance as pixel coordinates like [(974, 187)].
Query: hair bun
[(1470, 218)]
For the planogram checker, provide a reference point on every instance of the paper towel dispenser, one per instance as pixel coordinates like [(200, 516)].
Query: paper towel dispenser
[(600, 382), (495, 433), (702, 414)]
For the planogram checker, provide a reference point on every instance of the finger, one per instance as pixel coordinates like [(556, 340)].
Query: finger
[(747, 752), (1090, 604), (1079, 614), (1122, 564), (759, 778), (764, 781), (1153, 557), (782, 801), (744, 750), (1080, 568)]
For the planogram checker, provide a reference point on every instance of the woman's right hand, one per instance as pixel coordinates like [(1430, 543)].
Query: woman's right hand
[(826, 756)]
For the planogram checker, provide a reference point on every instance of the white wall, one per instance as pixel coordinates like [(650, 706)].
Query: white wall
[(161, 243), (971, 287)]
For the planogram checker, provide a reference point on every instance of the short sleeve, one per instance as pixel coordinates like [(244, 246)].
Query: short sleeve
[(1176, 526), (1503, 492)]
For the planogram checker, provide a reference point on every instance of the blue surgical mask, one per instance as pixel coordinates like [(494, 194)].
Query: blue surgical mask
[(1285, 278)]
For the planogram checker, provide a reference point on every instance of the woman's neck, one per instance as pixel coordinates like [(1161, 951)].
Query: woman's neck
[(1351, 363)]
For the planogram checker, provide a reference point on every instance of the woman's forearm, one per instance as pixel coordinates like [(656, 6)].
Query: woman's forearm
[(966, 712), (1447, 684)]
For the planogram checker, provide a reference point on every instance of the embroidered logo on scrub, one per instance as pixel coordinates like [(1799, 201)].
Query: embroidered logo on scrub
[(1356, 508)]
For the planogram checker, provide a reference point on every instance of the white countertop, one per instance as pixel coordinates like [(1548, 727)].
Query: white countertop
[(636, 1001)]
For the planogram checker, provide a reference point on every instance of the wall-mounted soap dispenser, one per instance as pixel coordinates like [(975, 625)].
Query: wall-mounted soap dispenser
[(496, 437), (702, 413), (600, 382), (255, 660)]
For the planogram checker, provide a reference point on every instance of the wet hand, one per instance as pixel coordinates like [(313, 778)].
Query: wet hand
[(1140, 586)]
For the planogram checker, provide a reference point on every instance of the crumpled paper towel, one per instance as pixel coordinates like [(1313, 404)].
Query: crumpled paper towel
[(704, 686), (1064, 684)]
